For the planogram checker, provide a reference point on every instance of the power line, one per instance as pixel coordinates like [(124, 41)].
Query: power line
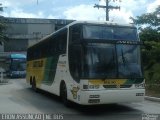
[(107, 7)]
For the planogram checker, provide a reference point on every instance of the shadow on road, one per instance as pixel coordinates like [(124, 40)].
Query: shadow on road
[(103, 109)]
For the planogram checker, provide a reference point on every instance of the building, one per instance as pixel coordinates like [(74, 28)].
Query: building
[(23, 32)]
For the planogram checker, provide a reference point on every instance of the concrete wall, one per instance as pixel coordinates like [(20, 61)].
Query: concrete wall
[(16, 45), (16, 28), (24, 32), (40, 28)]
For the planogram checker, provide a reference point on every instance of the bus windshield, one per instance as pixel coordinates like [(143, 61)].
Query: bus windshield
[(109, 33), (104, 61), (18, 64), (93, 59)]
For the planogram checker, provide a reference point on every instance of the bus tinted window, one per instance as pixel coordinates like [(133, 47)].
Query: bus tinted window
[(109, 33), (75, 32), (56, 44), (61, 41)]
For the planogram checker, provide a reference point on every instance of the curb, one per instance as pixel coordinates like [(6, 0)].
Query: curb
[(155, 99)]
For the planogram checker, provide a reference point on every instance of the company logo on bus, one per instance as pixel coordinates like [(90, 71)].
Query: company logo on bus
[(74, 92), (129, 42), (38, 63)]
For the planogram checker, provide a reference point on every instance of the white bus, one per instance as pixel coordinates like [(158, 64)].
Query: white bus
[(89, 63)]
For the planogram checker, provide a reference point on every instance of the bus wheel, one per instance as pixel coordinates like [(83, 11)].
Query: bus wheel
[(63, 95), (34, 85)]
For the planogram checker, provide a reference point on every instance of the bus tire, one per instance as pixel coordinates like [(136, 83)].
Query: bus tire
[(34, 85), (30, 80), (63, 95)]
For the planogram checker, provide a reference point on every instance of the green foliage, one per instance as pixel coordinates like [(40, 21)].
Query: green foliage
[(152, 74), (2, 26), (152, 19), (149, 34), (149, 27)]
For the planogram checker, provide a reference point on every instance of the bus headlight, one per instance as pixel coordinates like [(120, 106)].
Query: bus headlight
[(91, 86), (140, 86)]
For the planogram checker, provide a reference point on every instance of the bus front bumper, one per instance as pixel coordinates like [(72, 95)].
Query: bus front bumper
[(111, 96)]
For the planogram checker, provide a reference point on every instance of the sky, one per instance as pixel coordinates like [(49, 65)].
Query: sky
[(77, 9)]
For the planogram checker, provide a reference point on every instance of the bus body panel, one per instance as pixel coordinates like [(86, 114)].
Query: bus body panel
[(111, 96), (36, 71), (45, 80), (101, 95)]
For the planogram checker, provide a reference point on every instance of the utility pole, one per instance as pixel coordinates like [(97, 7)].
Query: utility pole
[(1, 7), (107, 8)]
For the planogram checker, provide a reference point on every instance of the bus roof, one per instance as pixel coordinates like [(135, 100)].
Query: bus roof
[(92, 22), (17, 56), (100, 23)]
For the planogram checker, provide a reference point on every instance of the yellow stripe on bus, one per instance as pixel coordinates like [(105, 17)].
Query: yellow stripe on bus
[(108, 82), (35, 69)]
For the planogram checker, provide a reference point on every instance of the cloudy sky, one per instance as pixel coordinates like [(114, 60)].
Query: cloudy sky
[(76, 9)]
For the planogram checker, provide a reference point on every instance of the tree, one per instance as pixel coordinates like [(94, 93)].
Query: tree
[(152, 19), (2, 26), (149, 31)]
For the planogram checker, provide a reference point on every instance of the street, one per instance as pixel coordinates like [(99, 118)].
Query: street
[(18, 97)]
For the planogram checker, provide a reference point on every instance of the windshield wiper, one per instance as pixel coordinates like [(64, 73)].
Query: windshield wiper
[(123, 58)]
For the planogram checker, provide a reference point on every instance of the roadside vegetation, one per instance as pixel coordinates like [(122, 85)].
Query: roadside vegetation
[(149, 31), (3, 39), (2, 26)]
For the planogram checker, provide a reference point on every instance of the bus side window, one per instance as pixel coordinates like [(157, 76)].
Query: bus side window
[(75, 34), (39, 51), (52, 46), (61, 41), (46, 49)]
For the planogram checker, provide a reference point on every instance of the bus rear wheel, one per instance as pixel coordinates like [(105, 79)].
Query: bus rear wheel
[(34, 85)]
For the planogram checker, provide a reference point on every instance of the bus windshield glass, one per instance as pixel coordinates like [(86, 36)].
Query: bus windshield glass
[(100, 61), (96, 57), (109, 32), (18, 64), (104, 61)]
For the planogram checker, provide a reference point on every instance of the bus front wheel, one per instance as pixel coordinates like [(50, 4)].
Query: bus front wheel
[(63, 95)]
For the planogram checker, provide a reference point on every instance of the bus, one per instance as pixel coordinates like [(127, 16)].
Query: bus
[(89, 63), (16, 65)]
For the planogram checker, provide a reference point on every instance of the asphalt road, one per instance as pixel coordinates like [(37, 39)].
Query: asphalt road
[(18, 97)]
